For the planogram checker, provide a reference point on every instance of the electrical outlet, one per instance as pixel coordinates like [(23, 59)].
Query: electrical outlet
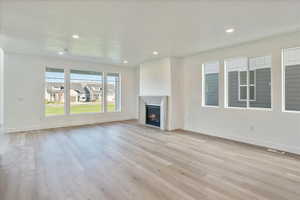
[(252, 128)]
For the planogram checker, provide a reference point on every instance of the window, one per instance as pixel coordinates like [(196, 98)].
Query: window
[(113, 92), (210, 84), (86, 92), (248, 85), (291, 79), (54, 92)]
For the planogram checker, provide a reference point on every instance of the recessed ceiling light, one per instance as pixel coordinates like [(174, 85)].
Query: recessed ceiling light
[(125, 61), (75, 36), (155, 53), (61, 52), (230, 30)]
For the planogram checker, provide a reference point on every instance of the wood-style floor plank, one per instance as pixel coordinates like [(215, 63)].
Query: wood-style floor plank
[(127, 161)]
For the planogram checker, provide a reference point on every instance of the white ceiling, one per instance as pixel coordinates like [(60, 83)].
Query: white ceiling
[(113, 31)]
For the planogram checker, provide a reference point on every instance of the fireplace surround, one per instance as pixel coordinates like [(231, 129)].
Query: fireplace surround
[(153, 111)]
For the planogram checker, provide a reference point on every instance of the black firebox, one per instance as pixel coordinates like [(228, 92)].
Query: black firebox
[(153, 115)]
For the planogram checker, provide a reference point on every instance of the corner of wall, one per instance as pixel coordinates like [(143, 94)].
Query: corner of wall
[(1, 90)]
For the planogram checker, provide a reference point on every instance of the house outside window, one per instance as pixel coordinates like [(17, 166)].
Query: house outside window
[(78, 91), (113, 92), (86, 92), (291, 79), (210, 84), (248, 82), (54, 92)]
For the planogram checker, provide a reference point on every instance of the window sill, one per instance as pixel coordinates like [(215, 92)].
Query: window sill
[(261, 109), (251, 109), (86, 113), (236, 108), (291, 111), (205, 106)]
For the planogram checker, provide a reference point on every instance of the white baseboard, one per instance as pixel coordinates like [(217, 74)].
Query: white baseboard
[(281, 147), (61, 125)]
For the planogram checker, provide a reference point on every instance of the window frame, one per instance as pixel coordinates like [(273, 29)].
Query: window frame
[(203, 104)]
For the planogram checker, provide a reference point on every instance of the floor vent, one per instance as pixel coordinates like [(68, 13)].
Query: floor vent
[(275, 151)]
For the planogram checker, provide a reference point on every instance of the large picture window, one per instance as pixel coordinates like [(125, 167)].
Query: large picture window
[(86, 92), (210, 84), (291, 76), (113, 92), (248, 82), (54, 92)]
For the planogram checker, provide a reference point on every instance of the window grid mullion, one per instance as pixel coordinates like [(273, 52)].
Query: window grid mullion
[(67, 92), (248, 85), (105, 92)]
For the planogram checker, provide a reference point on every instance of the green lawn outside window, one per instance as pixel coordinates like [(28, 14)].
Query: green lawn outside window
[(58, 109)]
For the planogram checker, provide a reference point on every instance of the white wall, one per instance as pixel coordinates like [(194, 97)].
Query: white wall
[(267, 128), (24, 90), (155, 78), (176, 117)]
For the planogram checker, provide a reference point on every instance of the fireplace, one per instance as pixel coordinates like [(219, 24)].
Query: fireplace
[(153, 111), (153, 115)]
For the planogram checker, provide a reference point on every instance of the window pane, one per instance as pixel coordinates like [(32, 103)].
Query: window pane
[(235, 92), (260, 82), (291, 58), (113, 92), (243, 93), (292, 88), (211, 77), (86, 92), (243, 78), (54, 92), (252, 93), (252, 77)]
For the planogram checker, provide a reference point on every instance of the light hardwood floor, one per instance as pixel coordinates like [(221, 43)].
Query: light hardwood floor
[(126, 161)]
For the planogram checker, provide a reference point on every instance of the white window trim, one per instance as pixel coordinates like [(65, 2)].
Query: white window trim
[(203, 102)]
